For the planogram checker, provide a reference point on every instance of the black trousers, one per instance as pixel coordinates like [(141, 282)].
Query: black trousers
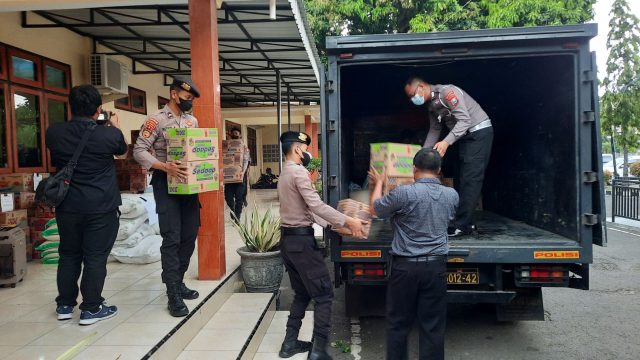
[(310, 280), (417, 290), (85, 239), (474, 152), (234, 196), (179, 218)]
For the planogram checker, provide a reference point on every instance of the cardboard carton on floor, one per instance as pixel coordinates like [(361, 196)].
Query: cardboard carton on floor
[(16, 182), (14, 218), (192, 144), (203, 176), (397, 159), (25, 200), (357, 210)]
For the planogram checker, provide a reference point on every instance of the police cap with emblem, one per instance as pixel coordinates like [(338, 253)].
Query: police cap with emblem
[(186, 84), (295, 136)]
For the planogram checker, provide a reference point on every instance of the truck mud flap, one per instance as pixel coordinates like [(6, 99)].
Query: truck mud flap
[(527, 305)]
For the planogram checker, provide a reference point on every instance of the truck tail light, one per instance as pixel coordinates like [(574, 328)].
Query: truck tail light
[(369, 271), (542, 275)]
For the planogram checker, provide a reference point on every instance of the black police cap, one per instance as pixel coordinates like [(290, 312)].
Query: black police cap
[(295, 136), (185, 83)]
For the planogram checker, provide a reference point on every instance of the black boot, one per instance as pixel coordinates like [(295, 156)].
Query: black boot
[(177, 307), (291, 345), (187, 293), (319, 351)]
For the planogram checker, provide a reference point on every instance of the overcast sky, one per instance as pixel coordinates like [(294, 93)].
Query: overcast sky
[(602, 9)]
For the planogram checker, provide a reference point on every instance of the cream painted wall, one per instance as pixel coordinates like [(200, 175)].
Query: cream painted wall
[(269, 136), (72, 49), (57, 44)]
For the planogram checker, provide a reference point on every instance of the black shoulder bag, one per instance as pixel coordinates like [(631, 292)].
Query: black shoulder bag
[(52, 191)]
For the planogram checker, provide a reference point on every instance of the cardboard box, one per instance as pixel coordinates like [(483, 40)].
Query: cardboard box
[(357, 210), (203, 176), (14, 218), (41, 212), (397, 159), (25, 200), (16, 182), (391, 183), (232, 160), (192, 144)]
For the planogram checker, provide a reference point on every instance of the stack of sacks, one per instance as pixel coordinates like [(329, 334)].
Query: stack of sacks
[(49, 248), (137, 241)]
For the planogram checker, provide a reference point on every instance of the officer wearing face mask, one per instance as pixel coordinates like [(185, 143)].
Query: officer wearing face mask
[(469, 127), (300, 207), (178, 215)]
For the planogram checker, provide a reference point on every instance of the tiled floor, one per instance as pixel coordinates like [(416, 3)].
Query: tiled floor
[(30, 329), (271, 342)]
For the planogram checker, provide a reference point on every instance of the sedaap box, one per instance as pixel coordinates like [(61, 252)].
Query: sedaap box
[(396, 158), (203, 176), (232, 161), (192, 144)]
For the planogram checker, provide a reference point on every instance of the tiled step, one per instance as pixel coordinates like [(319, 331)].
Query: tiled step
[(270, 346), (235, 331)]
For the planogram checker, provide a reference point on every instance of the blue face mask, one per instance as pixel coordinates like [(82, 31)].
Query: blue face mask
[(417, 99)]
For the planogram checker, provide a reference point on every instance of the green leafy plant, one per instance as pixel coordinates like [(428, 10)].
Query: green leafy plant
[(315, 165), (344, 346), (259, 232)]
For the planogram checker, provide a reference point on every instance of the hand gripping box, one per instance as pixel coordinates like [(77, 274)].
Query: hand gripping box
[(396, 158), (356, 210), (192, 144), (203, 176)]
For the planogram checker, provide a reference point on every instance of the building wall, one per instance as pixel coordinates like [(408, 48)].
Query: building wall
[(269, 136), (72, 49)]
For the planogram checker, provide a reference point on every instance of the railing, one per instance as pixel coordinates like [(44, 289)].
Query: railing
[(625, 198)]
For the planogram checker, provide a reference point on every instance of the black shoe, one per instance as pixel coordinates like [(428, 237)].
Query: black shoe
[(176, 305), (187, 293), (319, 351), (291, 345)]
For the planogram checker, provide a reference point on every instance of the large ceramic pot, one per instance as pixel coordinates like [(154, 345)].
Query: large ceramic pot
[(262, 272)]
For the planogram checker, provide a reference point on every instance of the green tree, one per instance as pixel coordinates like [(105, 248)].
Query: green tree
[(621, 102), (353, 17)]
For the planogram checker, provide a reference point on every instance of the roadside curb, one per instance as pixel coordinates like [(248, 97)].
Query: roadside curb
[(616, 226)]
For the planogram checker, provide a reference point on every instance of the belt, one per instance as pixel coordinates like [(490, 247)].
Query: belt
[(426, 258), (306, 230), (482, 125)]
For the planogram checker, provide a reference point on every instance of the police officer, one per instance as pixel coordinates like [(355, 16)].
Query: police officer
[(178, 215), (470, 127), (299, 204)]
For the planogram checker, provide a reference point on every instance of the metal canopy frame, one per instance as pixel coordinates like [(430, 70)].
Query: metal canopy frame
[(253, 49)]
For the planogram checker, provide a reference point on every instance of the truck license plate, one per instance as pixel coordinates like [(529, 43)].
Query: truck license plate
[(463, 277)]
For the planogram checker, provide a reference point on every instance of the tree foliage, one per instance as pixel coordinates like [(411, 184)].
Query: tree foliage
[(353, 17), (620, 110)]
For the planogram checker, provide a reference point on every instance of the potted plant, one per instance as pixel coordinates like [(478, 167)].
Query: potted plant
[(260, 260)]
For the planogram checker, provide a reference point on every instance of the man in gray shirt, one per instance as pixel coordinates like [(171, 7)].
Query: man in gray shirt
[(420, 214), (469, 127)]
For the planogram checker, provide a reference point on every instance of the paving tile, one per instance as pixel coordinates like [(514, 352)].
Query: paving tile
[(5, 351), (32, 352), (20, 334), (246, 320), (135, 297), (274, 356), (34, 298), (135, 334), (200, 355), (16, 312), (246, 302), (154, 314), (113, 352), (220, 339)]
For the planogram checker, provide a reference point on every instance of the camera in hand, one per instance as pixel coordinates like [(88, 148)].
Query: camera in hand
[(103, 118)]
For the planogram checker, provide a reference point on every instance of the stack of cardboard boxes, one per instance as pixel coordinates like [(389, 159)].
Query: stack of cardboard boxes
[(233, 159), (197, 148), (397, 160), (19, 209), (132, 177)]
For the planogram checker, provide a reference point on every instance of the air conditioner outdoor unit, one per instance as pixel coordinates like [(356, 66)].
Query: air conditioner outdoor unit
[(109, 76)]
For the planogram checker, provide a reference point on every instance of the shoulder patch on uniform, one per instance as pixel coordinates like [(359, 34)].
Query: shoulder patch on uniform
[(452, 98), (149, 126)]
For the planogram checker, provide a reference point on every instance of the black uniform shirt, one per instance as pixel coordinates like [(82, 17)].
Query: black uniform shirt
[(94, 185)]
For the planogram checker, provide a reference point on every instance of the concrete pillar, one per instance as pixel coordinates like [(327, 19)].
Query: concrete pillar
[(203, 18)]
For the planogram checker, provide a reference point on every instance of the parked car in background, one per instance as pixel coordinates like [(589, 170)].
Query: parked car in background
[(606, 158), (608, 166)]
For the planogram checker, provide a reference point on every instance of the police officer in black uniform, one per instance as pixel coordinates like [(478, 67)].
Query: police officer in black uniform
[(300, 207), (178, 215)]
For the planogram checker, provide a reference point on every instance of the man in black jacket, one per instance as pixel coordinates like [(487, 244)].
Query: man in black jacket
[(88, 218)]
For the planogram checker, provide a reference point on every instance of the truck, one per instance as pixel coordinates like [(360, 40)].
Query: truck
[(542, 206)]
